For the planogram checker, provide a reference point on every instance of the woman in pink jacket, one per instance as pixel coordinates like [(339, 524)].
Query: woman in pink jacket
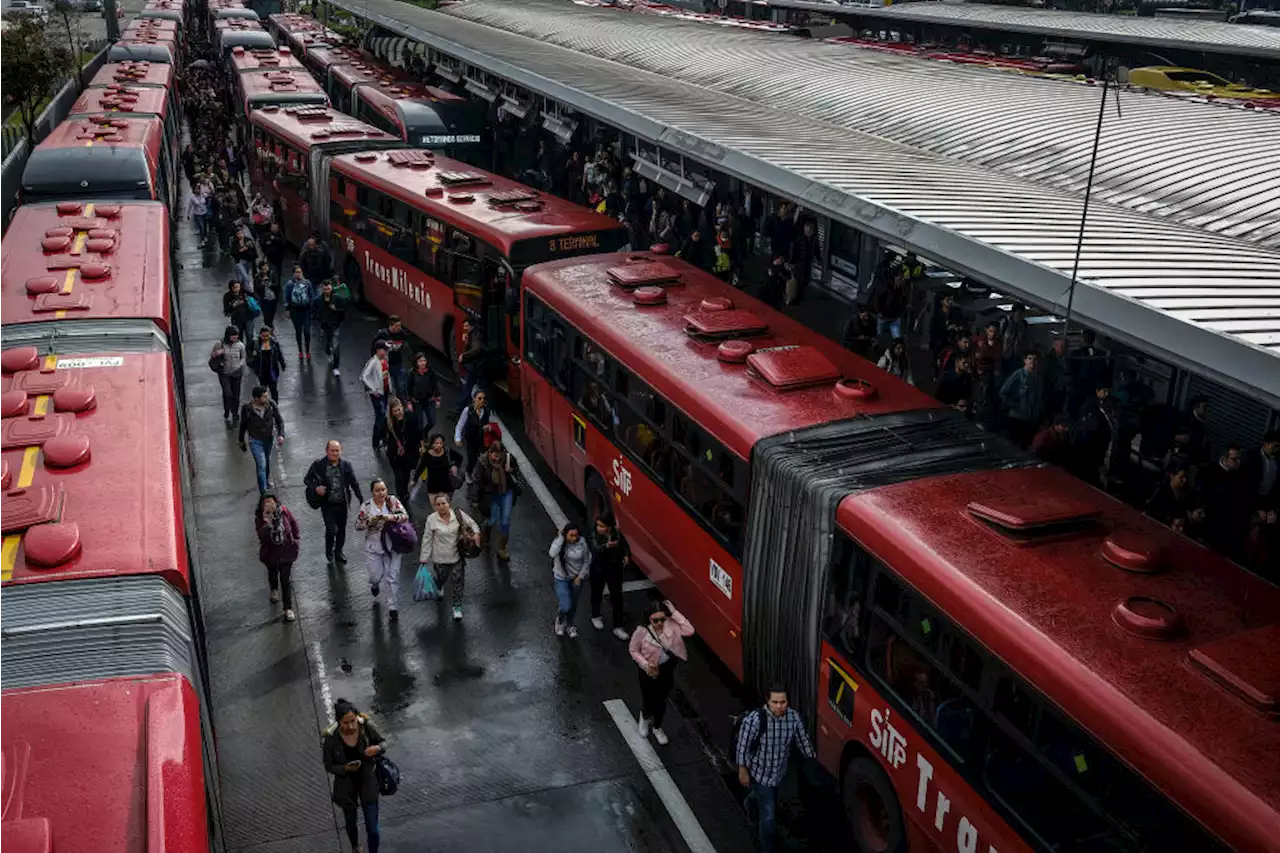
[(657, 645)]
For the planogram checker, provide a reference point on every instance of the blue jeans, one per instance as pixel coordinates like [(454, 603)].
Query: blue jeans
[(500, 511), (261, 451), (330, 334), (893, 324), (244, 272), (370, 825), (301, 328), (567, 593), (767, 805), (398, 379)]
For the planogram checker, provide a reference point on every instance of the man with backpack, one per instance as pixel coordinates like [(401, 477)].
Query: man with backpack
[(330, 310), (299, 293), (763, 749)]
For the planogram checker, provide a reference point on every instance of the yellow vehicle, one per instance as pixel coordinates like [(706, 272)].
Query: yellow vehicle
[(1174, 79)]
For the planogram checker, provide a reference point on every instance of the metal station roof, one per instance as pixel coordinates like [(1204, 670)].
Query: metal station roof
[(1196, 299), (1205, 36), (1211, 166)]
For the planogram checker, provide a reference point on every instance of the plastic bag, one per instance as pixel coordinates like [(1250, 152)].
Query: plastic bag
[(424, 584)]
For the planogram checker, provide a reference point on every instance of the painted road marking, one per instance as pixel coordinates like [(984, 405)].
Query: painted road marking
[(322, 676), (656, 772), (548, 501)]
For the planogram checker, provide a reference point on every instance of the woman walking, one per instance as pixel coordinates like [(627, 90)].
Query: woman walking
[(438, 469), (570, 565), (441, 541), (237, 307), (278, 548), (266, 360), (228, 360), (610, 556), (267, 291), (404, 444), (383, 563), (469, 432), (423, 393), (351, 743), (657, 646), (494, 487)]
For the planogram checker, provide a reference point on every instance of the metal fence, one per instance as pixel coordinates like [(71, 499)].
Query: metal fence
[(15, 143)]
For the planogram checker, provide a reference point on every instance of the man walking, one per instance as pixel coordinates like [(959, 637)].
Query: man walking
[(393, 336), (764, 747), (330, 310), (260, 420), (330, 482)]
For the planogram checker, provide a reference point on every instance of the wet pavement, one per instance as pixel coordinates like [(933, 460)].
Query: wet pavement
[(498, 726)]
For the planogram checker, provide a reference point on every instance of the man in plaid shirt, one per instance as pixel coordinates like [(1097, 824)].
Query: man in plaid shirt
[(762, 756)]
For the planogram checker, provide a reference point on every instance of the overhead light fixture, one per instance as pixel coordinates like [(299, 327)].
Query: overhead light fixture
[(562, 129), (448, 74), (695, 191), (480, 90), (514, 107)]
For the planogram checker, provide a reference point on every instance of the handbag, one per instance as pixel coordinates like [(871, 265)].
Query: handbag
[(216, 361), (468, 547), (424, 584), (388, 775), (400, 537)]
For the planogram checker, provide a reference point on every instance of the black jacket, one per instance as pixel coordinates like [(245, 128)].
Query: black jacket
[(261, 428), (266, 364), (273, 247), (330, 312), (396, 345), (423, 387), (316, 477), (403, 443), (608, 557), (361, 786), (317, 263), (438, 469), (483, 489)]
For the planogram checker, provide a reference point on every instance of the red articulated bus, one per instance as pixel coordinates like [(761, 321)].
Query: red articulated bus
[(995, 656), (258, 89), (135, 73), (282, 59), (102, 157), (167, 10), (105, 673), (230, 33), (289, 155), (132, 101), (320, 59), (434, 240), (345, 78), (302, 33), (425, 117)]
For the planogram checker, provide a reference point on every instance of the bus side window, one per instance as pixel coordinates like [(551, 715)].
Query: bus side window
[(537, 343), (846, 589)]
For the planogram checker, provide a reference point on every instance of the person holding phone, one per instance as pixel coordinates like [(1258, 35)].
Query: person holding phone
[(351, 743)]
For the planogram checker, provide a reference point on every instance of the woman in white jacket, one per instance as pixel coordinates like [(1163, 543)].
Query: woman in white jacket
[(895, 361), (383, 563), (440, 540)]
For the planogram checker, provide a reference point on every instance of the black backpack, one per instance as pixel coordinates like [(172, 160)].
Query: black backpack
[(738, 720)]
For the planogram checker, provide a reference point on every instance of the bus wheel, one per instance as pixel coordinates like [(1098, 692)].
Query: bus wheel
[(597, 499), (871, 807)]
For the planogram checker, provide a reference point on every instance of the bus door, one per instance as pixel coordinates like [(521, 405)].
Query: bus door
[(502, 323)]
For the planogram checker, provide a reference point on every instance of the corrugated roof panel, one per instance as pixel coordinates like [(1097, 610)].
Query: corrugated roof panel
[(1208, 165), (1210, 36), (1009, 232), (56, 633)]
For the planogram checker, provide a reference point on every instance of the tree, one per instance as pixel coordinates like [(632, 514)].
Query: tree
[(33, 68), (68, 14)]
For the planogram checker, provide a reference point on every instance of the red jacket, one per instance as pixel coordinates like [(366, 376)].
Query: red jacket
[(272, 553)]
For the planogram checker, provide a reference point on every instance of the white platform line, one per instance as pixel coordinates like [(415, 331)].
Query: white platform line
[(532, 477), (322, 676), (695, 837)]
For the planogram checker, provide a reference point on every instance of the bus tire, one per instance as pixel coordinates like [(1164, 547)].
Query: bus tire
[(871, 808), (596, 499)]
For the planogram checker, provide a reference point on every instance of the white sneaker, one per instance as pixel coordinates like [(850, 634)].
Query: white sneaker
[(275, 595), (621, 634), (457, 613), (661, 737), (573, 632), (559, 628), (289, 615), (337, 372), (644, 727), (597, 623)]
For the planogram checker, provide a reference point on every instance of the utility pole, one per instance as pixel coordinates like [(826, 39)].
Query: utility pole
[(113, 21)]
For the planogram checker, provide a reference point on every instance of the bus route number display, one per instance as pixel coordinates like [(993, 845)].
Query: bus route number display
[(574, 243)]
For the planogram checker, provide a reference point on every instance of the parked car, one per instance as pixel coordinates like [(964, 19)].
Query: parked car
[(91, 5), (25, 9)]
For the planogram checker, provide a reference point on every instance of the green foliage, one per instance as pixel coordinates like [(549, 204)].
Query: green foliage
[(33, 67)]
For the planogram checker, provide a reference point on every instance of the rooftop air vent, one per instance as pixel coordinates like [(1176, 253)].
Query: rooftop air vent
[(433, 192), (791, 367), (461, 198), (1133, 552), (19, 359), (529, 206), (643, 271), (43, 284), (366, 157), (459, 179), (505, 197), (1026, 519), (69, 208), (410, 157), (721, 324), (1245, 665), (734, 352), (1148, 618), (717, 303), (649, 295)]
